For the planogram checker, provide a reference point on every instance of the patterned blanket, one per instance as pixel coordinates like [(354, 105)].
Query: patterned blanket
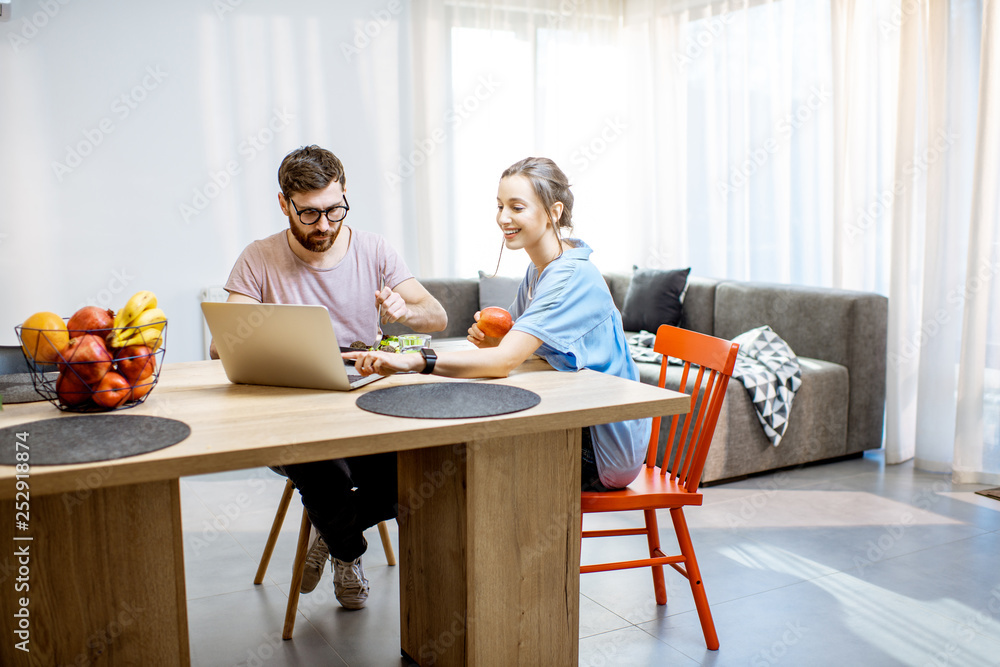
[(766, 366)]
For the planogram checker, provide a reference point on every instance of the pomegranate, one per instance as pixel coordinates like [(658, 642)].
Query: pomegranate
[(90, 319), (87, 356), (71, 389)]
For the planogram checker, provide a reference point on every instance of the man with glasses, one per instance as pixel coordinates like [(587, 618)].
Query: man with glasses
[(363, 283)]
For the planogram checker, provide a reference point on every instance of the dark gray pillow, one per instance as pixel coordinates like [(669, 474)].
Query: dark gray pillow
[(654, 297)]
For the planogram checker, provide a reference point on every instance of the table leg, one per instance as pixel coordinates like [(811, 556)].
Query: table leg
[(105, 575), (489, 537)]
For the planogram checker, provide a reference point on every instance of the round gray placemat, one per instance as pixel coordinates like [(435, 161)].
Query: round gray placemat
[(19, 388), (448, 400), (86, 438)]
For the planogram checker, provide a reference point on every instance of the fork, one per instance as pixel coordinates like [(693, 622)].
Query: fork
[(378, 321)]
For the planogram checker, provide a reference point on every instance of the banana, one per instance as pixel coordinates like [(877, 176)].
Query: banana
[(141, 329), (152, 317), (137, 304), (151, 338)]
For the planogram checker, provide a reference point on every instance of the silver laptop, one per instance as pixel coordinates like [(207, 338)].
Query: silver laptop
[(281, 345)]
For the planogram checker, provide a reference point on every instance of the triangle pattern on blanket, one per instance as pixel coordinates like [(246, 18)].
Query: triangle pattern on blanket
[(765, 364), (771, 373)]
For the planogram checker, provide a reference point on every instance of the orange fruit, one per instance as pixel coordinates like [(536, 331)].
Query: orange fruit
[(43, 336)]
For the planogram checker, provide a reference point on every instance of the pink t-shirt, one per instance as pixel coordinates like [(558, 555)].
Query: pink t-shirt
[(269, 271)]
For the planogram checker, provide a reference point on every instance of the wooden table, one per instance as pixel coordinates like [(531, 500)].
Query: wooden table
[(489, 534)]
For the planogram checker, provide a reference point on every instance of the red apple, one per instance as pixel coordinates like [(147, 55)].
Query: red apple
[(90, 319), (87, 356), (494, 322), (71, 389), (135, 362), (112, 391)]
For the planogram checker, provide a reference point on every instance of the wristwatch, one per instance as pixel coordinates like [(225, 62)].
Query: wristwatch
[(430, 358)]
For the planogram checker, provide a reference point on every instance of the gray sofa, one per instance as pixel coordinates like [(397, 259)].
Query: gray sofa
[(838, 335)]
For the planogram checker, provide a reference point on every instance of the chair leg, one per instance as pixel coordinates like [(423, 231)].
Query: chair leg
[(298, 568), (653, 538), (272, 538), (694, 578), (383, 531)]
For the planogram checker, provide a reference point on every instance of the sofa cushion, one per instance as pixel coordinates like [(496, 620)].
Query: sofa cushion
[(699, 305), (498, 291), (654, 297), (618, 286), (817, 427)]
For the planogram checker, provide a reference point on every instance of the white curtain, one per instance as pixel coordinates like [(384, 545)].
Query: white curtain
[(495, 82), (977, 431), (943, 402), (845, 143)]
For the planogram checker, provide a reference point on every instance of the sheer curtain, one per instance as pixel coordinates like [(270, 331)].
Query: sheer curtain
[(739, 151), (977, 431), (942, 394), (845, 143), (499, 81), (944, 398)]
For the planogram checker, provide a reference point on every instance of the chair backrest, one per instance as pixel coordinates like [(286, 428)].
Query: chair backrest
[(708, 365)]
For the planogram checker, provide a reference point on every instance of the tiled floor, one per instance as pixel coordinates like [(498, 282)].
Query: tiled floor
[(851, 563)]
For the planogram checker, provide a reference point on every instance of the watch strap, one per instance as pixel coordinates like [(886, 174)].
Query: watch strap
[(430, 358)]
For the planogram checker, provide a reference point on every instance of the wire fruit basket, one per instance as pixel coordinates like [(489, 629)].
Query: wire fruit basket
[(82, 378)]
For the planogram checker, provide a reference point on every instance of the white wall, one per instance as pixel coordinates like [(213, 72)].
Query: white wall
[(116, 116)]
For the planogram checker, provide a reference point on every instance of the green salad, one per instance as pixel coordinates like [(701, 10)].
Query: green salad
[(388, 344), (404, 343)]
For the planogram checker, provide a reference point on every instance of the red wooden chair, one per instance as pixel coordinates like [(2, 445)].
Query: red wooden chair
[(675, 485)]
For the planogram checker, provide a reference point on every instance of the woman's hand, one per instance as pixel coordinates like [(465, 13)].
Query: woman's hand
[(384, 363), (478, 338)]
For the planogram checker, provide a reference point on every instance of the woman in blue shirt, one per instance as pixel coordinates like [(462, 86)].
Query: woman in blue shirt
[(563, 312)]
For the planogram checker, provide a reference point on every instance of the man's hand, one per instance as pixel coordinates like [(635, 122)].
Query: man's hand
[(391, 306), (478, 338), (424, 313)]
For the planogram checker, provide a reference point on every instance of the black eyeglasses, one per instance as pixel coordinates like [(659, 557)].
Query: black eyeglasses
[(310, 216)]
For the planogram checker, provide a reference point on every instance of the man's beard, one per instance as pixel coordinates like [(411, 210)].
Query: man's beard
[(309, 241)]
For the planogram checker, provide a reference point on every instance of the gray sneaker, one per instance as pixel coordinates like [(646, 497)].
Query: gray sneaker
[(350, 584), (315, 563)]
